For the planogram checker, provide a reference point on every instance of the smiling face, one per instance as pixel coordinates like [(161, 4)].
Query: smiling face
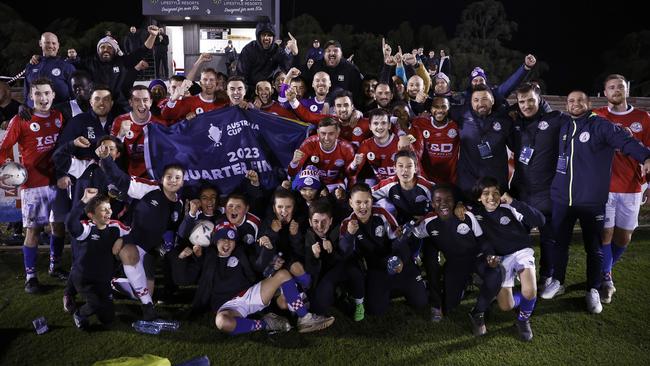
[(380, 127), (283, 209), (343, 108), (140, 103), (264, 90), (43, 96), (236, 210), (321, 83), (482, 102), (225, 247), (443, 203), (383, 95), (308, 193), (102, 214), (299, 87), (490, 198), (49, 43), (106, 52), (266, 39), (236, 91), (101, 102), (577, 103), (415, 85), (327, 137), (333, 56), (208, 83), (361, 204), (440, 109), (320, 223), (208, 198), (172, 180), (113, 151)]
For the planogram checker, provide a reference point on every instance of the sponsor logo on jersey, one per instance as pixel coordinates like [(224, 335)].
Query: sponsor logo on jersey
[(379, 231), (34, 126), (313, 108), (214, 134), (496, 126), (339, 162), (636, 127), (371, 156), (504, 220), (542, 125), (462, 229), (584, 137), (56, 71), (453, 133), (233, 262)]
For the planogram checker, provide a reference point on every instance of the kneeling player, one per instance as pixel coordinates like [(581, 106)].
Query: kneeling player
[(507, 224), (95, 243)]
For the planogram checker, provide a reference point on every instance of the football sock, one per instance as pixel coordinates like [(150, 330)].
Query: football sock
[(304, 280), (526, 308), (606, 268), (517, 299), (617, 252), (56, 249), (245, 325), (294, 301), (29, 259), (138, 281)]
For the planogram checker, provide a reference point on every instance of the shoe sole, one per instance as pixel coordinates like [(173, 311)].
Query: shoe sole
[(315, 327)]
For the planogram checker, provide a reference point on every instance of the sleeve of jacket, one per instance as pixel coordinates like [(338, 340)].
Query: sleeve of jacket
[(617, 137), (503, 90)]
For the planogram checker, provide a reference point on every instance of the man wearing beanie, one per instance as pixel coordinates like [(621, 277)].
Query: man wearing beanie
[(260, 58), (110, 67)]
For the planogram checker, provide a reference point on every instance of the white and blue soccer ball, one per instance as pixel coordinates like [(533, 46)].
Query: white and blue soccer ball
[(201, 232), (13, 174)]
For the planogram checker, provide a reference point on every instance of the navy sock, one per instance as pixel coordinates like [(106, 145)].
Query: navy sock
[(245, 325), (294, 301), (617, 252), (304, 280), (56, 250), (517, 299), (526, 308), (606, 269), (29, 259)]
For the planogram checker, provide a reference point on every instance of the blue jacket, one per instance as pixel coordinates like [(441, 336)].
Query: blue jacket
[(55, 69), (87, 125), (588, 143)]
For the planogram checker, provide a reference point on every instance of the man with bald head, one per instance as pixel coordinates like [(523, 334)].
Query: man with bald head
[(50, 66)]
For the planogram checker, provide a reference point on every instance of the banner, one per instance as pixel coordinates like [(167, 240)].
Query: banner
[(213, 8), (10, 199), (220, 146)]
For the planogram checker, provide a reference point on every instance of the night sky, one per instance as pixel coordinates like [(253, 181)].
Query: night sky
[(570, 39)]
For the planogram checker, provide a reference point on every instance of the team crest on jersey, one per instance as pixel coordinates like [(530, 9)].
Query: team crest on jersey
[(504, 220), (496, 126), (56, 71), (339, 162), (371, 156), (420, 198), (313, 108), (214, 134), (249, 239), (357, 131), (129, 135), (462, 229), (233, 262), (379, 231), (584, 137), (314, 159), (542, 125), (34, 127), (636, 127), (174, 216), (453, 133), (426, 134), (94, 237), (116, 69), (57, 123)]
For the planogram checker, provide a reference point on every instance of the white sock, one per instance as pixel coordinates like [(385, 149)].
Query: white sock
[(30, 276), (138, 281)]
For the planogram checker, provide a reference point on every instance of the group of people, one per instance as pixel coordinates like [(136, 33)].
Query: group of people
[(389, 180)]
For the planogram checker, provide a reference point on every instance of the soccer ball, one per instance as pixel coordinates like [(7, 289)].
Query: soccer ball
[(13, 174), (200, 235)]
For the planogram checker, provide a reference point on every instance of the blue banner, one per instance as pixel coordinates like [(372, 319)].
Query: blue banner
[(220, 146)]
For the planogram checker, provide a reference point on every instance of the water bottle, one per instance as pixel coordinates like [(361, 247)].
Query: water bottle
[(148, 327), (393, 263), (169, 325), (270, 269)]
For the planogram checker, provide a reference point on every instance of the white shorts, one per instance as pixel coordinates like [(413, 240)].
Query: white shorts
[(248, 303), (516, 262), (622, 210), (37, 205)]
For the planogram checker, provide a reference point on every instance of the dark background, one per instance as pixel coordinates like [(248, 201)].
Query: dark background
[(569, 36)]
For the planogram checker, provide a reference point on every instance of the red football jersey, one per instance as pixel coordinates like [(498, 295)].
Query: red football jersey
[(176, 111), (626, 172), (356, 134), (441, 147), (380, 158), (333, 166), (36, 139), (134, 142)]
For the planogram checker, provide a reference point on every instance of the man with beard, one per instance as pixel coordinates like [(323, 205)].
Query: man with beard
[(625, 190), (263, 101), (261, 57), (580, 189), (181, 106), (321, 84), (343, 74)]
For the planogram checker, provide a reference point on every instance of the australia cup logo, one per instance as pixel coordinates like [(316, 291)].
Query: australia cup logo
[(214, 134)]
